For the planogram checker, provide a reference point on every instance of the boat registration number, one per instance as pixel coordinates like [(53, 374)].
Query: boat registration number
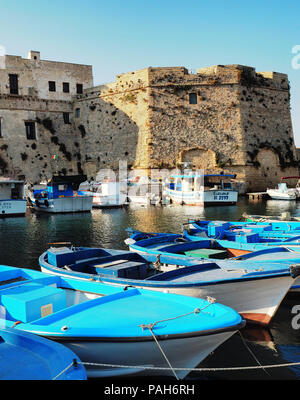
[(5, 206), (221, 196)]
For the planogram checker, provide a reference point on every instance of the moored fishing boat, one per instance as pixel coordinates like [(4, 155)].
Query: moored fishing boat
[(12, 197), (111, 326), (61, 195), (282, 192), (201, 190), (25, 356), (199, 244), (253, 291), (241, 238), (105, 194)]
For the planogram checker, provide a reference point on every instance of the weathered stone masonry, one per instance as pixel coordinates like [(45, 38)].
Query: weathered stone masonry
[(223, 118), (29, 100)]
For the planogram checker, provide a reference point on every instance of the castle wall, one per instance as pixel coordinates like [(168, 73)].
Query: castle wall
[(221, 118), (113, 123)]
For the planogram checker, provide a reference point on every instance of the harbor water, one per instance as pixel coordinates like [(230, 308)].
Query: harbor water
[(23, 239)]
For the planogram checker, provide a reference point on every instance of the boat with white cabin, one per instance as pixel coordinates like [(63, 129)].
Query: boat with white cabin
[(282, 192), (61, 195), (197, 189)]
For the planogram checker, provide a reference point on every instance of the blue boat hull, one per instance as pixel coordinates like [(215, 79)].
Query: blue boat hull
[(253, 292), (24, 356), (114, 329)]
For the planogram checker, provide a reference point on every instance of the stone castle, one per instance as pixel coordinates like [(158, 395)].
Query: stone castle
[(223, 118)]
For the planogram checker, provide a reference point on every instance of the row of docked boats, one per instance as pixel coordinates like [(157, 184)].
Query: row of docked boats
[(74, 193), (62, 194), (159, 308)]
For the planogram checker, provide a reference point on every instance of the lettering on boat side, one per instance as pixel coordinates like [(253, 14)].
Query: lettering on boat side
[(296, 318), (5, 206), (132, 391)]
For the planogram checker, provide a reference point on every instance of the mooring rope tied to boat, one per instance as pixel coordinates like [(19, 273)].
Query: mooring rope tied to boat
[(210, 300), (192, 369), (74, 363), (150, 326)]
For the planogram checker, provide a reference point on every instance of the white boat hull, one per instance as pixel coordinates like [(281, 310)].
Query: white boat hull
[(185, 353), (139, 199), (257, 300), (65, 204), (12, 207), (278, 195), (100, 201), (199, 198)]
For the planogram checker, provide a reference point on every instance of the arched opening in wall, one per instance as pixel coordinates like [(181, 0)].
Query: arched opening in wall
[(269, 167), (198, 158)]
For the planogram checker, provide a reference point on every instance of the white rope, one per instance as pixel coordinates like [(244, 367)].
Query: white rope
[(74, 362), (150, 326), (192, 369), (166, 358)]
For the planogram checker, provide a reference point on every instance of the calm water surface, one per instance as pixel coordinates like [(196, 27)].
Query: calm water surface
[(22, 240)]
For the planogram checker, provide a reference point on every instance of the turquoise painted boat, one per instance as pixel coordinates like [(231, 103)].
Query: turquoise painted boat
[(25, 356), (200, 244), (253, 291), (241, 238), (116, 330)]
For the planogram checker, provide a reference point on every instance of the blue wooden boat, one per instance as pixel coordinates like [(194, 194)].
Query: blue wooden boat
[(202, 246), (61, 195), (110, 326), (253, 291), (242, 238), (272, 226), (25, 356)]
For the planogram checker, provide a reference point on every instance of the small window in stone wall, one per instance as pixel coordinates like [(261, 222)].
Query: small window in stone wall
[(13, 84), (77, 113), (66, 117), (66, 87), (193, 98), (30, 130), (1, 133), (79, 88), (52, 86)]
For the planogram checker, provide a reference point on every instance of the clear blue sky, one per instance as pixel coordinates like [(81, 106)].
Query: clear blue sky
[(124, 35)]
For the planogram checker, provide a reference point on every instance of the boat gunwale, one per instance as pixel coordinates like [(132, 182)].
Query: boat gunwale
[(147, 283), (206, 332)]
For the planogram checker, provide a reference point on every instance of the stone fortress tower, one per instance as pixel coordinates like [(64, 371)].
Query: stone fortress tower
[(223, 118)]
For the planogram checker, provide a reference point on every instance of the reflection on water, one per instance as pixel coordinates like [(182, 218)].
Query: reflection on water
[(22, 240), (276, 207)]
